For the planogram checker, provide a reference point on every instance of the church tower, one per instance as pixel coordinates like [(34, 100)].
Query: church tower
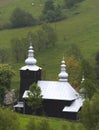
[(30, 73)]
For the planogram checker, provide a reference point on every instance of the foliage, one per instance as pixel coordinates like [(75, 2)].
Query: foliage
[(32, 125), (89, 84), (6, 74), (88, 70), (51, 12), (34, 100), (50, 35), (77, 29), (90, 113), (42, 39), (20, 18), (74, 70), (2, 95), (97, 67), (8, 120), (4, 55), (89, 88), (70, 3), (74, 50), (49, 5), (19, 49), (44, 125)]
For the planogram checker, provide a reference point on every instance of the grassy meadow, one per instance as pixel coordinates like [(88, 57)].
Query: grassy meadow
[(56, 124), (80, 28)]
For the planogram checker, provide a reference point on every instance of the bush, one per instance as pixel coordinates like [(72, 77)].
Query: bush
[(20, 18), (8, 120)]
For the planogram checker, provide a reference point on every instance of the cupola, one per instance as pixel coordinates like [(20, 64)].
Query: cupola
[(63, 75), (30, 60)]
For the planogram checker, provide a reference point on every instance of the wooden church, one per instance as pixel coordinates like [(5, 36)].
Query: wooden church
[(60, 99)]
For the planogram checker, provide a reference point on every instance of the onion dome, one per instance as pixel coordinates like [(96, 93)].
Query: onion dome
[(63, 75), (30, 60)]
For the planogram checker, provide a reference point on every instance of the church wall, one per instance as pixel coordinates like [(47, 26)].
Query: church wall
[(27, 78), (53, 108), (70, 115)]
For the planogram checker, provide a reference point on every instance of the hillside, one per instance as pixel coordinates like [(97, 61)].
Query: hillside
[(80, 28)]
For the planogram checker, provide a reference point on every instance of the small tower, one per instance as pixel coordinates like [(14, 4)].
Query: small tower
[(30, 73), (63, 75)]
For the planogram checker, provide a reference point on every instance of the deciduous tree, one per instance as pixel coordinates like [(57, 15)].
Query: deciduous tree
[(74, 70), (21, 18), (51, 13), (6, 74)]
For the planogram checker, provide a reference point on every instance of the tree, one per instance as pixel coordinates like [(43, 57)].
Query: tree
[(50, 35), (97, 67), (4, 55), (34, 100), (89, 88), (74, 50), (16, 50), (44, 38), (49, 5), (6, 74), (69, 3), (20, 18), (8, 120), (51, 12), (74, 70), (88, 70), (2, 95), (19, 49), (89, 114)]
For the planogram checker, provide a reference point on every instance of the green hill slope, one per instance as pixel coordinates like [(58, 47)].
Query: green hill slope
[(81, 28)]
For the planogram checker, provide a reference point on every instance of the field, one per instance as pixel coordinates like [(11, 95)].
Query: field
[(56, 124), (80, 28)]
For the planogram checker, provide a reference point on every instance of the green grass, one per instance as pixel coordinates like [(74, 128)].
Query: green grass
[(7, 9), (55, 123), (80, 28)]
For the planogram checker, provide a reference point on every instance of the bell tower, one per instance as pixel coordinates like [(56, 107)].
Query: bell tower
[(30, 73)]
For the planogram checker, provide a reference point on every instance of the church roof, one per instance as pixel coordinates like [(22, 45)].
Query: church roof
[(31, 68), (55, 90), (19, 105), (75, 106)]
